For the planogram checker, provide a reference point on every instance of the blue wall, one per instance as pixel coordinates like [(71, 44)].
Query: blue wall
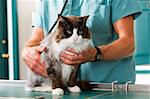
[(142, 34)]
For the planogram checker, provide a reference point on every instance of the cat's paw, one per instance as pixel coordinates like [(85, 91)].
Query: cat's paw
[(74, 89), (58, 91), (28, 89), (40, 89), (43, 89)]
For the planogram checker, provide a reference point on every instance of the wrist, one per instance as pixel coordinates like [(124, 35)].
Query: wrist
[(93, 50), (31, 43), (98, 55)]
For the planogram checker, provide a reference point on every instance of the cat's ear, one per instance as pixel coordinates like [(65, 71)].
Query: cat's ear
[(62, 20), (60, 17), (84, 19)]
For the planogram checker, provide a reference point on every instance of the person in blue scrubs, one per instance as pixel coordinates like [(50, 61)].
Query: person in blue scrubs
[(111, 23)]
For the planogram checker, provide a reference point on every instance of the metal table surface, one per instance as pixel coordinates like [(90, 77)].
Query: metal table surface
[(15, 90)]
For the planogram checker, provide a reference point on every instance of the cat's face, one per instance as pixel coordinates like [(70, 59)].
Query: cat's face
[(72, 28)]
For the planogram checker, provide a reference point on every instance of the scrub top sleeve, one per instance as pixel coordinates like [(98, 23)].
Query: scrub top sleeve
[(37, 20), (123, 8)]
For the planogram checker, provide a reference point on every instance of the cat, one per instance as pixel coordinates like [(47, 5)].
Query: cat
[(71, 32)]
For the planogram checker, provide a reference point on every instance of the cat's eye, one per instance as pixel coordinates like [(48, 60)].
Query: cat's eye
[(80, 32), (69, 32)]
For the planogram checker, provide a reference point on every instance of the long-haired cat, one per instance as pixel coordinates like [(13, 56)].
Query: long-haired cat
[(71, 32)]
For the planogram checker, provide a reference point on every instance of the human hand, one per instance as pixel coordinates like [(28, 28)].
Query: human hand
[(71, 57), (31, 56)]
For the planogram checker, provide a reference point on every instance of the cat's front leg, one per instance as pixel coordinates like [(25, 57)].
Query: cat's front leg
[(55, 74), (57, 86), (72, 87)]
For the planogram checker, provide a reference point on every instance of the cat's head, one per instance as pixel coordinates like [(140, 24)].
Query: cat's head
[(72, 28)]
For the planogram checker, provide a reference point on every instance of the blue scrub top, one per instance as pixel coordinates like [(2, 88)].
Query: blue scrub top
[(103, 13)]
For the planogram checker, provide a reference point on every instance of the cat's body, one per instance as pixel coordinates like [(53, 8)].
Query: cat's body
[(71, 32)]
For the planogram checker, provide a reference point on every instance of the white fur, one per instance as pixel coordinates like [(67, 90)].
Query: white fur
[(45, 86), (28, 88), (66, 70), (74, 89), (58, 91), (39, 88)]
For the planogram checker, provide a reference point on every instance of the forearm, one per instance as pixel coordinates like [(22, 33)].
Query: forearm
[(118, 49), (124, 46), (36, 37)]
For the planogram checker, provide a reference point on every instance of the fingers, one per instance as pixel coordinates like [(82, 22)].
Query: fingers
[(70, 62), (71, 57), (40, 48), (36, 66), (72, 51), (33, 60), (39, 69)]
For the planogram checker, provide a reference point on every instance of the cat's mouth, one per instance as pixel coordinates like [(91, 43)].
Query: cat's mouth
[(78, 40), (75, 40)]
